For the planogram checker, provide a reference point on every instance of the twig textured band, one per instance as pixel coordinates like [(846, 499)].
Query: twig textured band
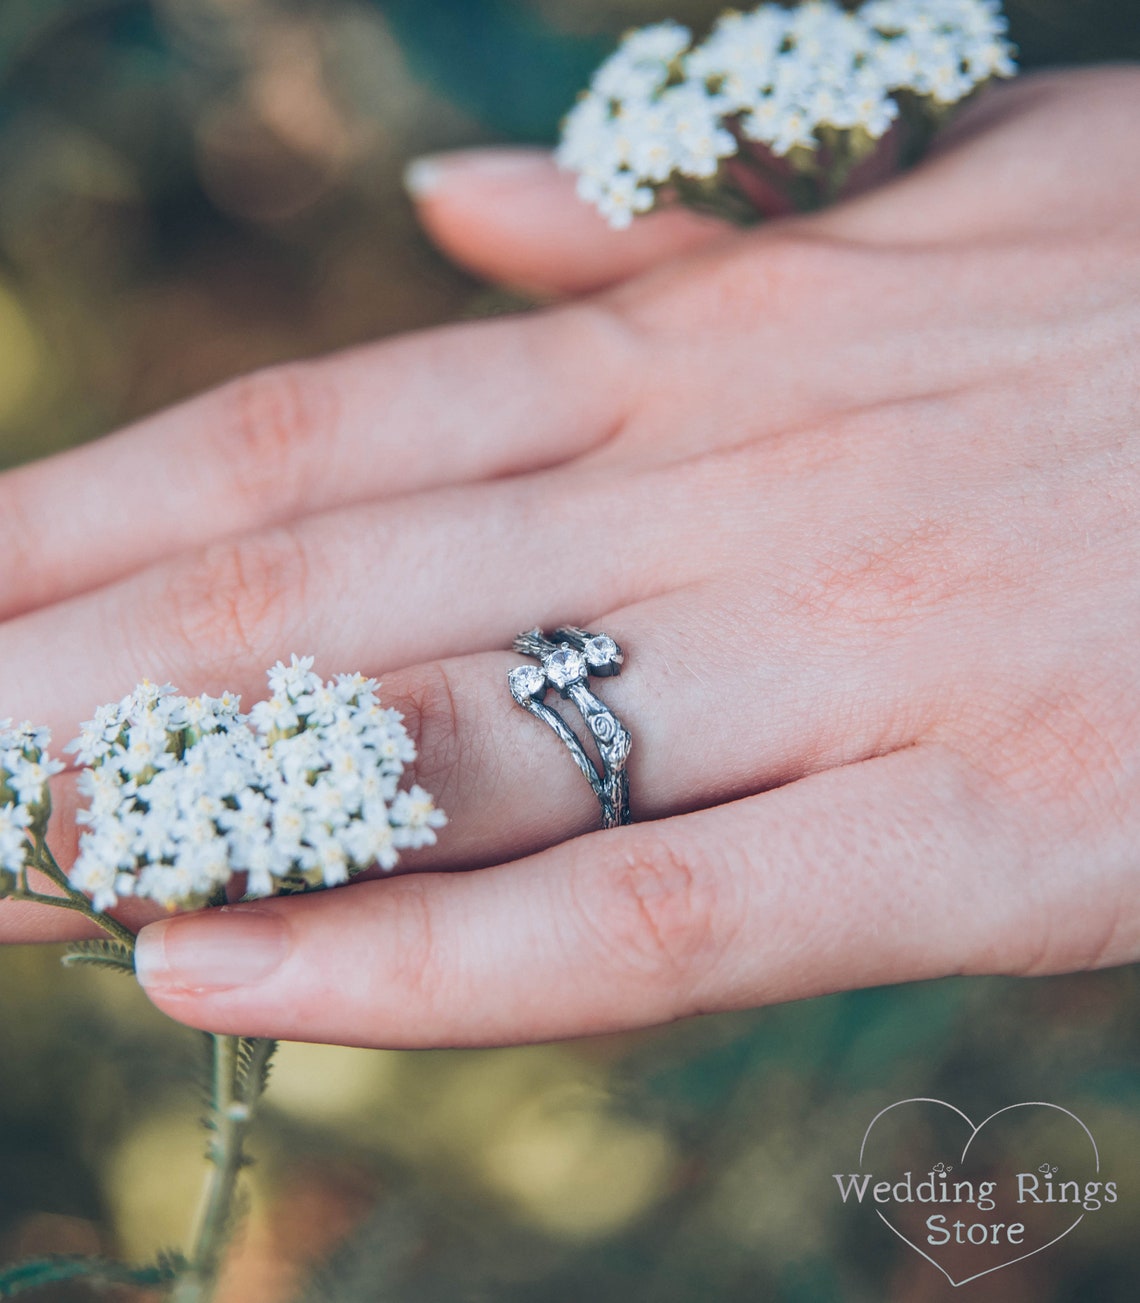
[(566, 661)]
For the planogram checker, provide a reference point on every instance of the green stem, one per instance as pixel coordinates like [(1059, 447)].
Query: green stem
[(72, 899), (234, 1098)]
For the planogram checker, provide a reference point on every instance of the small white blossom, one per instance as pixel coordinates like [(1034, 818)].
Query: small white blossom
[(660, 112), (28, 779), (98, 735), (415, 818), (943, 48), (185, 792), (789, 72), (622, 199), (693, 121), (642, 63), (293, 680), (14, 823), (25, 797), (278, 713), (639, 124)]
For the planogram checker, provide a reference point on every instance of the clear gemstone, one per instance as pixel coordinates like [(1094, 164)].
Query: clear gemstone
[(564, 667), (527, 681), (602, 650)]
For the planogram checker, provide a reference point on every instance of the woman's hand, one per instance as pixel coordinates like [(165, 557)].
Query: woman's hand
[(860, 496)]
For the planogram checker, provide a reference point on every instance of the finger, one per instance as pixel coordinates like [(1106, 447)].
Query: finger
[(372, 587), (510, 788), (507, 784), (443, 407), (510, 215), (952, 196), (889, 870), (459, 571), (28, 923)]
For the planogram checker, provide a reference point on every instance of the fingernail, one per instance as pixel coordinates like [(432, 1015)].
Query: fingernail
[(426, 175), (212, 951)]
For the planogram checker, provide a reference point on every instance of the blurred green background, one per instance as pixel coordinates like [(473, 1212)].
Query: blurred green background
[(192, 188)]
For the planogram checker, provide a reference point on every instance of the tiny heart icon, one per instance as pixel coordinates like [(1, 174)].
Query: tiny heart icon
[(970, 1197)]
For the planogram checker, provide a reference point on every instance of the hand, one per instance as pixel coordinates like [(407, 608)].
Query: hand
[(860, 495)]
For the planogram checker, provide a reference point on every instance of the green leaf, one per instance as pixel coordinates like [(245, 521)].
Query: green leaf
[(39, 1272), (254, 1055), (170, 1262), (104, 953)]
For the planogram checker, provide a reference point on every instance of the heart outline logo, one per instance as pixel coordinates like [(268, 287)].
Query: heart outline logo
[(974, 1130)]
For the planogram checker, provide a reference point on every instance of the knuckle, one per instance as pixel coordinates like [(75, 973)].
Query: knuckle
[(603, 330), (278, 421), (228, 605), (433, 719), (655, 912)]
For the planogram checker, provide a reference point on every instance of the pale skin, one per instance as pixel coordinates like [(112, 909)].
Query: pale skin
[(860, 496)]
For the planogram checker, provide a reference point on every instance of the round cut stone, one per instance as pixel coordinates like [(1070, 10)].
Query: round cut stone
[(601, 650), (527, 681), (564, 667)]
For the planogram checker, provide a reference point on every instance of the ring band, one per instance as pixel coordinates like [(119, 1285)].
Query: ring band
[(567, 659)]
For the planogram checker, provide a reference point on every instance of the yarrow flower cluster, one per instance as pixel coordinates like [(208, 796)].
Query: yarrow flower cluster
[(185, 792), (25, 801), (661, 111)]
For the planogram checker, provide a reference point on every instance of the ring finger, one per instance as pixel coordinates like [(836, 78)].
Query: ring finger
[(719, 708)]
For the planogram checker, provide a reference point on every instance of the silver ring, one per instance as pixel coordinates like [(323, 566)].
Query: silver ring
[(566, 660)]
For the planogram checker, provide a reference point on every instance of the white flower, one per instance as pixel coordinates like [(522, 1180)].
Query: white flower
[(147, 748), (25, 797), (629, 133), (659, 112), (29, 778), (96, 873), (97, 735), (693, 121), (14, 823), (623, 198), (185, 792), (102, 787), (660, 43), (943, 48), (257, 860), (739, 58), (789, 72), (25, 737), (415, 819), (641, 65), (293, 680), (278, 713)]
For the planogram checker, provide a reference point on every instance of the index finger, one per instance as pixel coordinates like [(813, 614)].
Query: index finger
[(445, 406)]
